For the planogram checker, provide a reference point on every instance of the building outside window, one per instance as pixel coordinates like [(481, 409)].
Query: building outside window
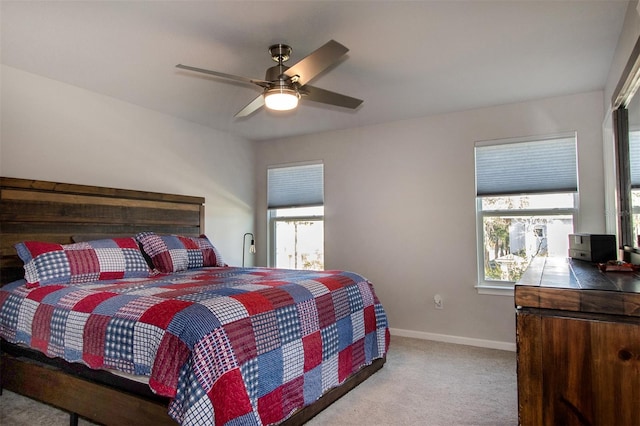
[(296, 216), (526, 198)]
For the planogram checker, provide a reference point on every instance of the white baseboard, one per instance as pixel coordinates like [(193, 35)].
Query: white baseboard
[(482, 343)]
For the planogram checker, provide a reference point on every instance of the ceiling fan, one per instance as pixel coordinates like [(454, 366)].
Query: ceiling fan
[(283, 86)]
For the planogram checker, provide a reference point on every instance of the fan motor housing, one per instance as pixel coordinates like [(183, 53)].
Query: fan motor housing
[(275, 74), (280, 52)]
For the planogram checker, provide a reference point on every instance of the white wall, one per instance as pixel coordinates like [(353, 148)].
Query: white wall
[(57, 132), (628, 37), (400, 207)]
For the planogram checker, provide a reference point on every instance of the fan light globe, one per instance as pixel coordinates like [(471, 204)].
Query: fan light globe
[(281, 99)]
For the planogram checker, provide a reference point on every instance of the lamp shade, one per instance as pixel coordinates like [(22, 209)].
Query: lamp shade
[(281, 99)]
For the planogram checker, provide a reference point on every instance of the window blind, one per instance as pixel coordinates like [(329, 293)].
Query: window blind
[(634, 158), (533, 166), (295, 186)]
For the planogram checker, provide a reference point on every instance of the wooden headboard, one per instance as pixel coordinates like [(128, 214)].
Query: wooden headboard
[(56, 212)]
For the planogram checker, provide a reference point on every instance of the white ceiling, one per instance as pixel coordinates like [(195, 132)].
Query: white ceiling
[(406, 59)]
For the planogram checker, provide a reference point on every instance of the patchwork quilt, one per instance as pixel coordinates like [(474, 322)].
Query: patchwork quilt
[(230, 346)]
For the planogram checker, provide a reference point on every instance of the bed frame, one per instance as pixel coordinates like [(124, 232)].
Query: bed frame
[(62, 213)]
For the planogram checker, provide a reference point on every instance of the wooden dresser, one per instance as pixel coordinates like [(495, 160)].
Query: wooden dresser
[(578, 342)]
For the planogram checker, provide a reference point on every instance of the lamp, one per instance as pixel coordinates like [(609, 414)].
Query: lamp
[(281, 98), (252, 247)]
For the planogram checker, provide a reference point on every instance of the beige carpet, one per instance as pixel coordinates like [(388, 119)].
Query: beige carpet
[(422, 383)]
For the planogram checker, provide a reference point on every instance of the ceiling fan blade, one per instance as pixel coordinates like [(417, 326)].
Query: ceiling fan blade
[(316, 94), (316, 62), (253, 106), (260, 83)]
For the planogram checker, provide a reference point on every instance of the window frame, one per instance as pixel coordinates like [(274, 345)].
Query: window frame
[(274, 219), (505, 288)]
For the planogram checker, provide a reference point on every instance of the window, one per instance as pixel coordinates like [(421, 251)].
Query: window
[(634, 170), (526, 193), (295, 199)]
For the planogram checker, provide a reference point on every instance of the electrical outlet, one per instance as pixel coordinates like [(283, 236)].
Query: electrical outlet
[(437, 299)]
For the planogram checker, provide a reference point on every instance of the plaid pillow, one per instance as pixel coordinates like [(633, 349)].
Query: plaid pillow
[(175, 253), (108, 259)]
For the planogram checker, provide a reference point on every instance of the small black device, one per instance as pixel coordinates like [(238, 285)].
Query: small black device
[(597, 248)]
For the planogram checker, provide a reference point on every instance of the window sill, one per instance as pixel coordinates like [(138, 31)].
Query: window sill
[(495, 290)]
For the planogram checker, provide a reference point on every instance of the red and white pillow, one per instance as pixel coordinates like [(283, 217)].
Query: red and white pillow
[(107, 259), (175, 253)]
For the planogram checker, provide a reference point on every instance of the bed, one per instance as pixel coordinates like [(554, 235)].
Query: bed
[(195, 341)]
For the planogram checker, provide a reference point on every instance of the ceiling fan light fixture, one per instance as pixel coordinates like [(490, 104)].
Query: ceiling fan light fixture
[(281, 99)]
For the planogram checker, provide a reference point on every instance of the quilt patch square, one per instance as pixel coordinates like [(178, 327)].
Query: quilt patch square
[(146, 343), (288, 324), (266, 332), (9, 308), (308, 316), (341, 303), (250, 375), (365, 292), (357, 354), (111, 259), (270, 371), (316, 288), (193, 331), (313, 384), (270, 407), (83, 262), (355, 298), (278, 297), (214, 357), (345, 333), (179, 259), (48, 267), (312, 351), (230, 400), (136, 307), (293, 360), (326, 311), (58, 326), (119, 339), (169, 363), (298, 292), (369, 319), (254, 302), (161, 314), (329, 341), (74, 332), (94, 342), (200, 411), (41, 331), (242, 338), (26, 313), (292, 395), (112, 305), (227, 309), (330, 373), (345, 364)]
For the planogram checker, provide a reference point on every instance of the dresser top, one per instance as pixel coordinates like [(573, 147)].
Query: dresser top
[(579, 286)]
